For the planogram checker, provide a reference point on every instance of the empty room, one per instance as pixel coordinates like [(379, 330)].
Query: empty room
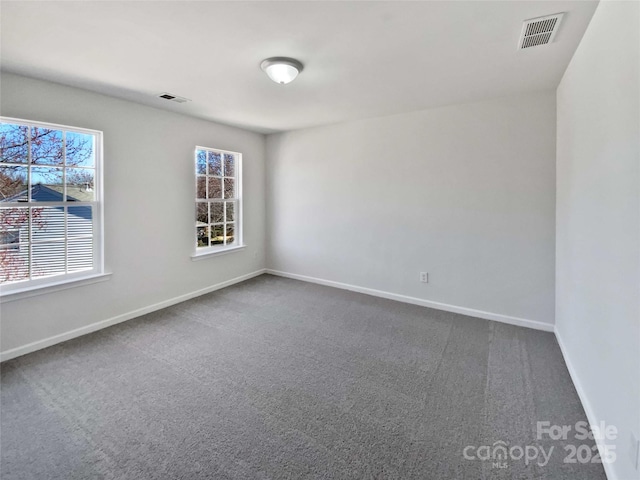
[(320, 240)]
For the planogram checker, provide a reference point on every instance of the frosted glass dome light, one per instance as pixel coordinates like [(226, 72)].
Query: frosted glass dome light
[(281, 70)]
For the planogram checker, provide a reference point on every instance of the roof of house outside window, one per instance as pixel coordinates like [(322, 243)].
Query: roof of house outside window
[(53, 193)]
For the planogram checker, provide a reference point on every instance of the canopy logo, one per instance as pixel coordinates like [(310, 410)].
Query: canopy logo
[(500, 454)]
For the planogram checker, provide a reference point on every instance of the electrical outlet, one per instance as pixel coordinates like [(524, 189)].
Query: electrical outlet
[(424, 277), (634, 450)]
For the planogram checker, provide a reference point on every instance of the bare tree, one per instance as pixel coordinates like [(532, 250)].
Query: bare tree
[(21, 146), (80, 177), (46, 146), (12, 182)]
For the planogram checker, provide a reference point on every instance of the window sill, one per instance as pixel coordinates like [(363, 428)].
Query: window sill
[(215, 253), (34, 290)]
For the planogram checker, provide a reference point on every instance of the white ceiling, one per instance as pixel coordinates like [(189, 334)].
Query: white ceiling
[(362, 59)]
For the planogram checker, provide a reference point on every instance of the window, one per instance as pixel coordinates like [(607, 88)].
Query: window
[(218, 200), (50, 209)]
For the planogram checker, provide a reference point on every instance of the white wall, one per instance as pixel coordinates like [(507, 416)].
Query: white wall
[(149, 207), (598, 221), (466, 193)]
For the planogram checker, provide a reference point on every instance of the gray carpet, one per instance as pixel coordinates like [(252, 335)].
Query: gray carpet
[(275, 378)]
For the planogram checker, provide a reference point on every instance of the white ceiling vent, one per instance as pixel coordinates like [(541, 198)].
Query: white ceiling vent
[(173, 98), (539, 31)]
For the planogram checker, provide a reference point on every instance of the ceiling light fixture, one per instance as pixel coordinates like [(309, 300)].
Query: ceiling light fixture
[(281, 70)]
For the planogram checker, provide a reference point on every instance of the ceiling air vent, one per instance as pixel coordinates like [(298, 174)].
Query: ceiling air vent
[(539, 31), (173, 98)]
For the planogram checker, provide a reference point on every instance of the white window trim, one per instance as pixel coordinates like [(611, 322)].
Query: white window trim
[(219, 251), (28, 288), (80, 279), (200, 253)]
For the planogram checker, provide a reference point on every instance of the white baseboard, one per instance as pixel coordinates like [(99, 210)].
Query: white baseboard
[(521, 322), (47, 342), (588, 410)]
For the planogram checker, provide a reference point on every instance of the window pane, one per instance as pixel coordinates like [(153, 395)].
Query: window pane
[(217, 234), (203, 237), (14, 265), (215, 187), (79, 221), (46, 184), (14, 249), (13, 181), (215, 164), (201, 187), (10, 240), (217, 212), (47, 259), (47, 223), (46, 146), (201, 162), (14, 218), (229, 165), (229, 187), (80, 184), (230, 233), (202, 215), (80, 254), (14, 146), (230, 211), (80, 149)]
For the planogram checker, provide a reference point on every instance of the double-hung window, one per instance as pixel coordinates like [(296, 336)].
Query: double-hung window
[(50, 204), (218, 209)]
